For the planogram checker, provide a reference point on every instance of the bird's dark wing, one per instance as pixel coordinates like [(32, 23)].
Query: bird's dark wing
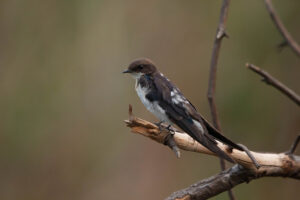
[(183, 113)]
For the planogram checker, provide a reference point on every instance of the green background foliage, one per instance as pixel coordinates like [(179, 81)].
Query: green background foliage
[(64, 99)]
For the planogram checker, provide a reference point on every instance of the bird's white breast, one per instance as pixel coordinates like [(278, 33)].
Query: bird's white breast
[(153, 107)]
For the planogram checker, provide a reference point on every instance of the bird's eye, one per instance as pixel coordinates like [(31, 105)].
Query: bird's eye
[(140, 66)]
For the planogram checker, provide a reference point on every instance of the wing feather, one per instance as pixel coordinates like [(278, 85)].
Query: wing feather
[(183, 114)]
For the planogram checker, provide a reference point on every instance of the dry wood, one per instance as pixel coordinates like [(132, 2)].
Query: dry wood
[(185, 142), (272, 164)]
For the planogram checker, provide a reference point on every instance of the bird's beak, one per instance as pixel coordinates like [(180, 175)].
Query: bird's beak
[(126, 71)]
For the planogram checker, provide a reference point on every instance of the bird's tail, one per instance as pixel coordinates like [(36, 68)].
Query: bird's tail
[(216, 134)]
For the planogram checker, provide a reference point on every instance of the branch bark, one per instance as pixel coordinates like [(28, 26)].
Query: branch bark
[(272, 164), (226, 180), (267, 78), (281, 28)]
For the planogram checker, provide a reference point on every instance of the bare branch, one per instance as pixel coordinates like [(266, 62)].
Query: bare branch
[(267, 78), (283, 31), (185, 142), (272, 164), (228, 179)]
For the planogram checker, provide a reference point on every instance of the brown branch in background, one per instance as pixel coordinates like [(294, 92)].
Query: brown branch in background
[(214, 61), (289, 40), (221, 33), (267, 78)]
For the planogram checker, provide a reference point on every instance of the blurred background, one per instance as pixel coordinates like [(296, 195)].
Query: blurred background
[(64, 99)]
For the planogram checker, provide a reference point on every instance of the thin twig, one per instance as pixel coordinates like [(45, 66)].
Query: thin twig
[(220, 34), (283, 31), (294, 145), (275, 83)]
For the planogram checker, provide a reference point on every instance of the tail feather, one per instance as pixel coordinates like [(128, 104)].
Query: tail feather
[(216, 134)]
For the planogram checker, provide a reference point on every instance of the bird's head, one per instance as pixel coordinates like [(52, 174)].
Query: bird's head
[(141, 67)]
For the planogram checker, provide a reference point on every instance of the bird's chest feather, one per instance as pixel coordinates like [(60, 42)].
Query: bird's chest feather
[(142, 91)]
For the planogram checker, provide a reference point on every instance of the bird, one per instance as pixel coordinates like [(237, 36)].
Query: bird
[(163, 99)]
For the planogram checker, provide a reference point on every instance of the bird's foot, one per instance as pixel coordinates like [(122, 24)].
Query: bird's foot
[(160, 126), (170, 129)]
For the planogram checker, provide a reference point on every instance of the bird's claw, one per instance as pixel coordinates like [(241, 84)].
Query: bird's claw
[(170, 129), (161, 127), (159, 124)]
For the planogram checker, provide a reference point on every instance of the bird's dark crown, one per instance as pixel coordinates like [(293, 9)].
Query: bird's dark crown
[(142, 65)]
